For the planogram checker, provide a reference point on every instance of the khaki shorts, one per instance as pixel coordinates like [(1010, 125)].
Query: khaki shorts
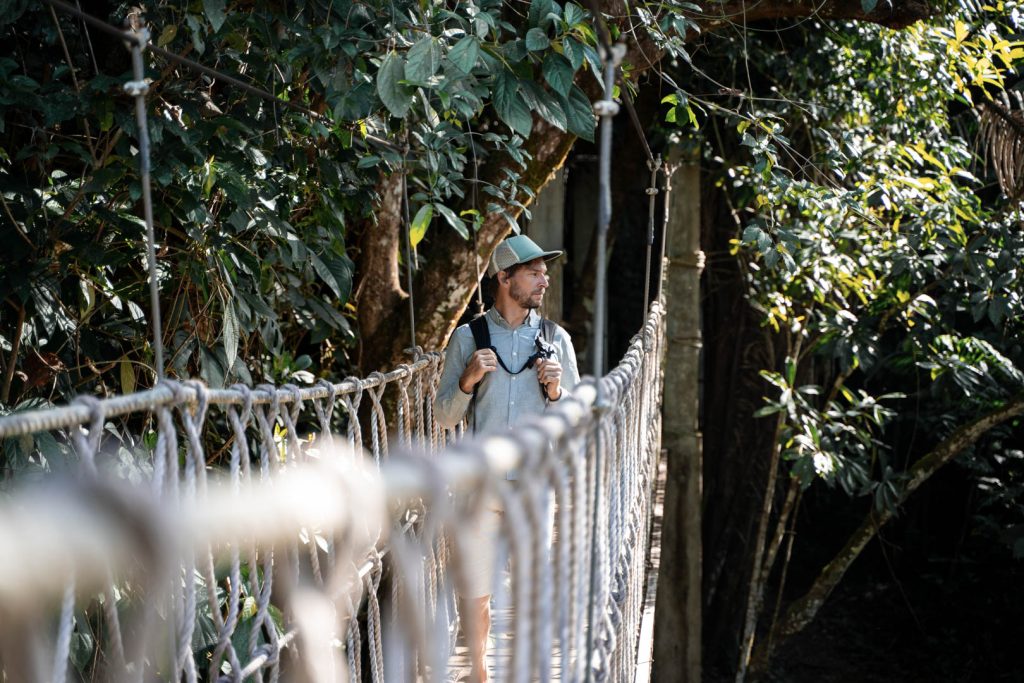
[(477, 545)]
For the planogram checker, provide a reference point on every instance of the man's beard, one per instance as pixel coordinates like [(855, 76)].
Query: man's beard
[(524, 299)]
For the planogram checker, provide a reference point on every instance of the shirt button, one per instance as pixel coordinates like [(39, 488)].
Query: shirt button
[(512, 403)]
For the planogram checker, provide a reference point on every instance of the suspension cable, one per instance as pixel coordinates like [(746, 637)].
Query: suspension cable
[(653, 164), (476, 207), (606, 108), (666, 172), (631, 109), (652, 194), (138, 88)]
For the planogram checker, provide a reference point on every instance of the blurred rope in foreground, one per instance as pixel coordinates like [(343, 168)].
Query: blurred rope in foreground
[(248, 543)]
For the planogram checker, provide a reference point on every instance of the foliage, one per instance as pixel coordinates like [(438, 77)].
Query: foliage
[(257, 205), (876, 244)]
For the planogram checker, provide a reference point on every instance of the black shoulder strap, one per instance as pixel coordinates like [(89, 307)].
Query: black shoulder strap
[(482, 337), (481, 334)]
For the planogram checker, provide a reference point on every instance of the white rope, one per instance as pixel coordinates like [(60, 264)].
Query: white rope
[(246, 579)]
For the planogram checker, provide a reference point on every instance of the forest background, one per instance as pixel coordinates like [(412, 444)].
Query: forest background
[(860, 183)]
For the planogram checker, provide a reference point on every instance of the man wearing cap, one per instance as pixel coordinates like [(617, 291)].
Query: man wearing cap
[(497, 388)]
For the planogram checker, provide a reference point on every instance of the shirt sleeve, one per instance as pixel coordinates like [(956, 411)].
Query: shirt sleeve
[(567, 357), (451, 402)]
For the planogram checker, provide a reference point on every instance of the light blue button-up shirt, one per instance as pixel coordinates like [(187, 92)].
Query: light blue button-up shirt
[(502, 398)]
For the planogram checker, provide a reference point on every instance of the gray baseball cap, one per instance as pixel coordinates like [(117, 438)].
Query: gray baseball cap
[(517, 249)]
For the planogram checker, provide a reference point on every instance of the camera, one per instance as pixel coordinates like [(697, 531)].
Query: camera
[(545, 350)]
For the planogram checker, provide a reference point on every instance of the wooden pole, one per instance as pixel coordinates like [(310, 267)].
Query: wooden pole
[(677, 630)]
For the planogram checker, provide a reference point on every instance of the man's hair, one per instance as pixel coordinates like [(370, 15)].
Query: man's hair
[(491, 284)]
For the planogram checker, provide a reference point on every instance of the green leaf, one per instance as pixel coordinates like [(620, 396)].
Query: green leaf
[(544, 103), (769, 409), (395, 96), (420, 223), (342, 269), (465, 53), (510, 107), (579, 115), (453, 220), (325, 273), (230, 334), (558, 72), (210, 368), (215, 13), (537, 39), (423, 60), (539, 11), (573, 13), (167, 35), (573, 51), (127, 376)]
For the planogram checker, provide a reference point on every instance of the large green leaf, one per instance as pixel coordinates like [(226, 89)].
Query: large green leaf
[(342, 269), (453, 220), (558, 72), (573, 51), (423, 60), (325, 273), (579, 114), (420, 223), (214, 10), (465, 53), (544, 103), (510, 107), (537, 39), (395, 96), (539, 11)]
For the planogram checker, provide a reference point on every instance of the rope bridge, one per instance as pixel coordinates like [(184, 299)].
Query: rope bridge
[(315, 548)]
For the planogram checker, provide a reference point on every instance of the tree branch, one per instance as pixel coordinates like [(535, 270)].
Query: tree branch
[(800, 613), (5, 393)]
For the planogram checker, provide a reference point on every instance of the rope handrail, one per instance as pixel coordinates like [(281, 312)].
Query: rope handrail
[(47, 419), (255, 512)]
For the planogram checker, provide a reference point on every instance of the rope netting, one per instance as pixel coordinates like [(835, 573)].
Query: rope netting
[(319, 533)]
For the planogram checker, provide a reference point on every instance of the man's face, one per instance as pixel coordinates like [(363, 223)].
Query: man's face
[(528, 284)]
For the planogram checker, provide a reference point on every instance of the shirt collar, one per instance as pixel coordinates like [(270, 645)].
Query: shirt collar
[(532, 318)]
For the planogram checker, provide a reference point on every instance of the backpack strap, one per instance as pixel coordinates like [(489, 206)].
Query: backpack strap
[(482, 337), (481, 333)]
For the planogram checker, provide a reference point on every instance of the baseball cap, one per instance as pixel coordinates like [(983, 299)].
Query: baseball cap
[(517, 249)]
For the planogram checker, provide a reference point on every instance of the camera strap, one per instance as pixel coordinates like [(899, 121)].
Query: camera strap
[(482, 337)]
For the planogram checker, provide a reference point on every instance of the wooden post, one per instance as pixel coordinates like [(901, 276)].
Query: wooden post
[(677, 630)]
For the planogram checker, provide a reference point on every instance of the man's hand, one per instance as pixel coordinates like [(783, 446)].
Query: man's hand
[(549, 374), (480, 363)]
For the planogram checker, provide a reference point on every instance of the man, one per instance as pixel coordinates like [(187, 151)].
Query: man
[(498, 390)]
